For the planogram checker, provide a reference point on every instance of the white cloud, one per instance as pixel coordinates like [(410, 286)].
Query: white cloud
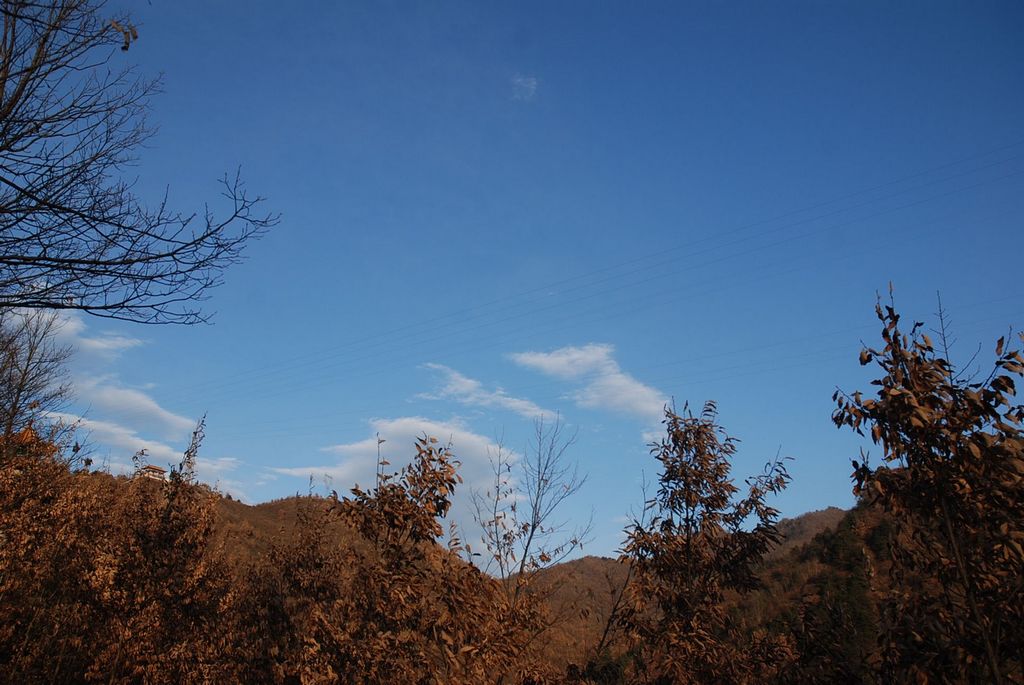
[(570, 362), (108, 343), (604, 384), (131, 406), (356, 461), (102, 393), (524, 87), (222, 472), (72, 329), (652, 436), (122, 441), (112, 408), (471, 392), (214, 468), (620, 392)]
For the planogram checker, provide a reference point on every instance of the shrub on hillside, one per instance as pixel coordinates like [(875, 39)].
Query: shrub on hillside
[(951, 480), (696, 547)]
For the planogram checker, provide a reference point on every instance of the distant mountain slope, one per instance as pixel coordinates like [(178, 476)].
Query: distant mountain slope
[(802, 529), (583, 591), (828, 558), (247, 531)]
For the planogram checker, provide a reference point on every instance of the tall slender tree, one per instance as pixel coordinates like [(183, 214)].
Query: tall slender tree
[(696, 546)]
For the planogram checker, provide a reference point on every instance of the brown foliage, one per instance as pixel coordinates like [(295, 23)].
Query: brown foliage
[(952, 479), (104, 580), (693, 551), (138, 580), (410, 610)]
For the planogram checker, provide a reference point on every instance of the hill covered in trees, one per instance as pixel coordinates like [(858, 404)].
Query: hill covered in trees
[(165, 580), (142, 573)]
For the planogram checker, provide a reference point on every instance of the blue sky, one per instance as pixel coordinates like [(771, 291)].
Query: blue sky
[(490, 213)]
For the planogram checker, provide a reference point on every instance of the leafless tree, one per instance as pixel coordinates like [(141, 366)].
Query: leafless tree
[(518, 512), (33, 370), (73, 232)]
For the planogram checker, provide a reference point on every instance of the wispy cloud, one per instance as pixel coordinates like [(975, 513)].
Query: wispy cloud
[(570, 362), (121, 441), (225, 473), (128, 405), (99, 390), (121, 421), (73, 330), (472, 392), (355, 462), (215, 468), (524, 87), (118, 444), (604, 385)]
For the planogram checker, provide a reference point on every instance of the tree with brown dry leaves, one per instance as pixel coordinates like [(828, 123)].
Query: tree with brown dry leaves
[(697, 546), (391, 605), (107, 579), (952, 479)]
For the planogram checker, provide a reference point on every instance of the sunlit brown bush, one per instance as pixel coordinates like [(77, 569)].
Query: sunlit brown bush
[(697, 546), (119, 580), (419, 613), (102, 579), (953, 483)]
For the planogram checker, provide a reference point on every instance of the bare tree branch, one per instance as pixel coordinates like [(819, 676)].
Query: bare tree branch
[(516, 514), (73, 233), (34, 380)]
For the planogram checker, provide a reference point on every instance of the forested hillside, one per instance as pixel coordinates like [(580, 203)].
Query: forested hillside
[(147, 579), (218, 558)]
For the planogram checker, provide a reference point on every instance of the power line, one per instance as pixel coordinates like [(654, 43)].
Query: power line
[(316, 358), (753, 368), (323, 365)]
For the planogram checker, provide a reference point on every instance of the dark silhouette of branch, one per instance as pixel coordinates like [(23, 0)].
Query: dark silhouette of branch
[(73, 233)]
